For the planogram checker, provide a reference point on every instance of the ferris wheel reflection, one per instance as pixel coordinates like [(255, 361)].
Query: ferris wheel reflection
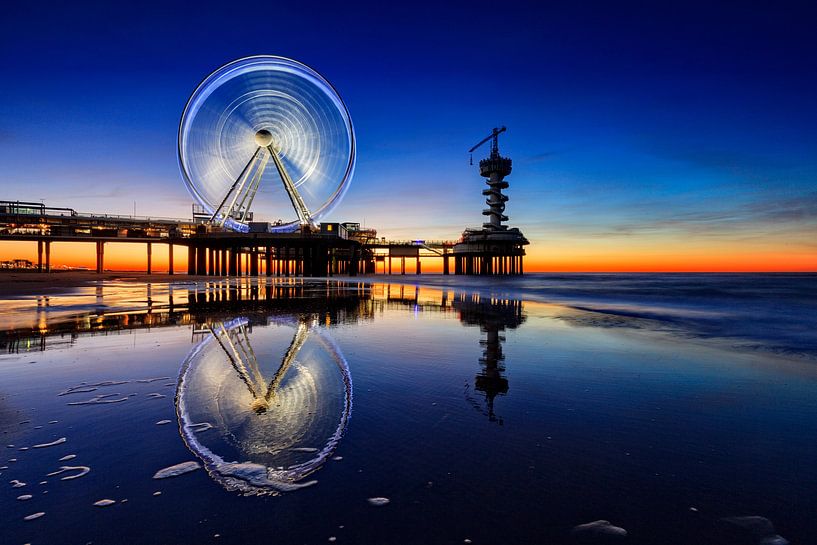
[(264, 405)]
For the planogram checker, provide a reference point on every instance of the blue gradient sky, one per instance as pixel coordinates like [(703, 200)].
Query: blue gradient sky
[(633, 127)]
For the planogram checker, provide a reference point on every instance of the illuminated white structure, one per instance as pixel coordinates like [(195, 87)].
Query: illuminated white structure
[(258, 109)]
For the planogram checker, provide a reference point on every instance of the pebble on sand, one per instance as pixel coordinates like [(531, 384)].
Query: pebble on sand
[(758, 529), (379, 501), (81, 472), (200, 427), (59, 441), (25, 497), (104, 503), (34, 516), (176, 470), (163, 422), (598, 530)]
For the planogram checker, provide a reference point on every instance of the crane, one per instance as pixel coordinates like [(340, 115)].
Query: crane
[(494, 145)]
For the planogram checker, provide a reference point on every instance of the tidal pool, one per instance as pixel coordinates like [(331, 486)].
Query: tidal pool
[(309, 411)]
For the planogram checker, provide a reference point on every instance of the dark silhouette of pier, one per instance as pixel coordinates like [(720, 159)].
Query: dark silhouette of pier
[(330, 250), (333, 249)]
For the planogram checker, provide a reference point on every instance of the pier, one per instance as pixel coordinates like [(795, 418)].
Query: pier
[(334, 249)]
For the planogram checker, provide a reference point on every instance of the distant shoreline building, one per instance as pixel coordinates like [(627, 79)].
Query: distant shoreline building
[(17, 264)]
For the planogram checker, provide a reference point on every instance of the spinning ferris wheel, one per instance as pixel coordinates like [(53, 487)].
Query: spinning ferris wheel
[(266, 134)]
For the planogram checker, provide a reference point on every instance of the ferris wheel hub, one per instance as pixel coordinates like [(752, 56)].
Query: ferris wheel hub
[(263, 138)]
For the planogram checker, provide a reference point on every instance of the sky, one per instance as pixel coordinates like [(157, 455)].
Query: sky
[(646, 136)]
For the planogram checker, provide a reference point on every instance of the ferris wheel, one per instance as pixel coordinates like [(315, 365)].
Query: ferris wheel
[(260, 112)]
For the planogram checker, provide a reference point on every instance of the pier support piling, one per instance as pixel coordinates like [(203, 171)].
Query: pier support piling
[(253, 256), (191, 260), (100, 257), (201, 260), (233, 261)]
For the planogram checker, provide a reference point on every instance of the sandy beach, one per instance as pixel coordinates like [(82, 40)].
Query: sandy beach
[(13, 283), (396, 400)]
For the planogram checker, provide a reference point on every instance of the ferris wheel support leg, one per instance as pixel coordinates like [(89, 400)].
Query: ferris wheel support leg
[(304, 217), (252, 189), (238, 365), (295, 346), (242, 179), (243, 342), (231, 210)]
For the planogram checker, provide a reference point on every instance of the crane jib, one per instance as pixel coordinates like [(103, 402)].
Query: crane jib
[(493, 136)]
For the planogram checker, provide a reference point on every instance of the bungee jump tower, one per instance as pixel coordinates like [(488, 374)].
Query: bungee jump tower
[(495, 249)]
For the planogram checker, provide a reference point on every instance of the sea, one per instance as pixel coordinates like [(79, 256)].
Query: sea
[(653, 409)]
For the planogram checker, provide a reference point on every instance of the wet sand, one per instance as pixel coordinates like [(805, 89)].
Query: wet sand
[(14, 283), (664, 431)]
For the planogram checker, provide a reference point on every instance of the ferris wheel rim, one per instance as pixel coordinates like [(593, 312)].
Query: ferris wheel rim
[(344, 181)]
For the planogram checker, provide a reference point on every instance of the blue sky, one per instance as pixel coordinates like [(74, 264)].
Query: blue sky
[(632, 124)]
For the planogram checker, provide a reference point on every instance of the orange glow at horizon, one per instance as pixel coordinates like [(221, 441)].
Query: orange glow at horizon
[(121, 256)]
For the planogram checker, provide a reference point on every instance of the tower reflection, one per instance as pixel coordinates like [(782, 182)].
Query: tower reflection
[(493, 316)]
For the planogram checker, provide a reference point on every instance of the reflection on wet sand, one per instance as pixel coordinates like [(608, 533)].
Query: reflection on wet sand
[(236, 345), (329, 302), (32, 324), (263, 402), (492, 316), (265, 394), (276, 418)]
